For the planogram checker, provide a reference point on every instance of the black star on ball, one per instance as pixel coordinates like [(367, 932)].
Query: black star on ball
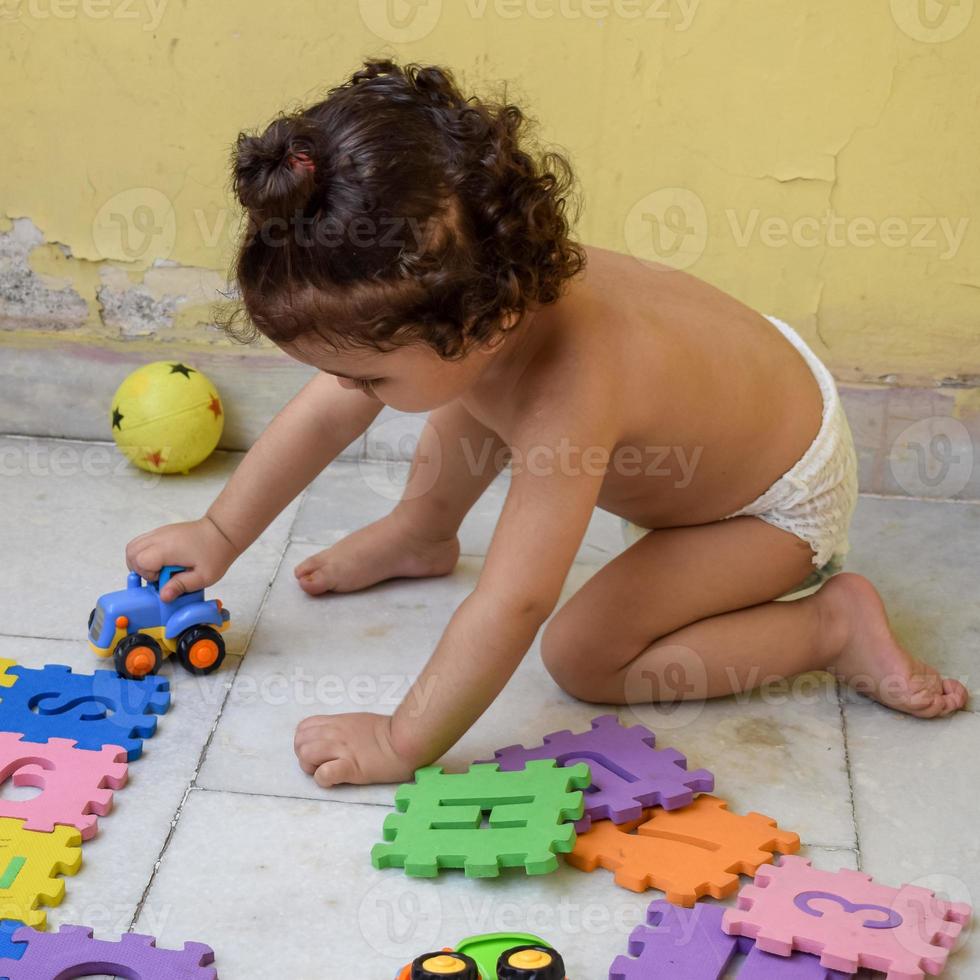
[(181, 369), (117, 418)]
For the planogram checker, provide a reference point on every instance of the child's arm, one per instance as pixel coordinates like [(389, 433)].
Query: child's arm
[(321, 421), (552, 496)]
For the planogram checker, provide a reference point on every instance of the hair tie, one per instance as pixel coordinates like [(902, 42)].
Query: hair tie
[(303, 160)]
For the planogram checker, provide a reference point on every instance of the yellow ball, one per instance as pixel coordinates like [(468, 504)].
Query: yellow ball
[(167, 417)]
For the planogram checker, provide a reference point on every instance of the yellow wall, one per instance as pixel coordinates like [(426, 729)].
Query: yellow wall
[(719, 132)]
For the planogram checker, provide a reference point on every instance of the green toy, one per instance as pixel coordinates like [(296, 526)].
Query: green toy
[(495, 956), (441, 822), (487, 950)]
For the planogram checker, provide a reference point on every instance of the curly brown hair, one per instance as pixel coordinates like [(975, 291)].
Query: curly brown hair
[(398, 211)]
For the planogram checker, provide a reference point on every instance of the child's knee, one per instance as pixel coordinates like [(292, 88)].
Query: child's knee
[(572, 661)]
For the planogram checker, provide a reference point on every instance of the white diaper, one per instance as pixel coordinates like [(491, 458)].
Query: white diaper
[(815, 500)]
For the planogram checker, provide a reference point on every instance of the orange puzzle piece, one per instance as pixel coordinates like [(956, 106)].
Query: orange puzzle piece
[(698, 850)]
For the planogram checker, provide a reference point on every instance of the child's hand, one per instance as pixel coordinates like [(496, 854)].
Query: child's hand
[(197, 545), (353, 748)]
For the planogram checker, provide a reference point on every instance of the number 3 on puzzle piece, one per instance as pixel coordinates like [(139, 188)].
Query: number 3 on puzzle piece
[(891, 921)]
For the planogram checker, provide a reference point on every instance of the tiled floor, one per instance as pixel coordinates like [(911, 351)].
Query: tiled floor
[(220, 838)]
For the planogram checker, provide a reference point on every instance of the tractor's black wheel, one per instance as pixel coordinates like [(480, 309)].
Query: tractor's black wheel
[(530, 963), (201, 650), (433, 966), (137, 656)]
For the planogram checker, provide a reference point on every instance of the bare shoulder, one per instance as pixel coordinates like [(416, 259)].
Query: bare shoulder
[(570, 383), (660, 293)]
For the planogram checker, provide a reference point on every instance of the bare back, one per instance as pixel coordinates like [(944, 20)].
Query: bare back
[(712, 403)]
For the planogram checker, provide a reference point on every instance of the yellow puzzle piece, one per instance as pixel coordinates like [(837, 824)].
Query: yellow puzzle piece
[(6, 679), (29, 863)]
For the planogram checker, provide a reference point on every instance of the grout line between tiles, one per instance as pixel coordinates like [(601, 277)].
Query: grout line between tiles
[(207, 743), (918, 500), (841, 708), (289, 796), (30, 636)]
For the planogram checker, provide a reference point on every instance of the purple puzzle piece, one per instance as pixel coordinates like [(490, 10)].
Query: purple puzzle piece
[(63, 953), (689, 944), (628, 773), (683, 944)]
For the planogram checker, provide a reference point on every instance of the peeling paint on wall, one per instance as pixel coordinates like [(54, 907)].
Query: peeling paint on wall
[(28, 298), (134, 312), (815, 159), (44, 288)]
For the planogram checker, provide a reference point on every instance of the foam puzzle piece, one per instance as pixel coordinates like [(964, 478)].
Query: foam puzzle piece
[(76, 783), (439, 823), (9, 950), (689, 944), (72, 952), (29, 865), (628, 773), (93, 709), (699, 850), (848, 919), (6, 678)]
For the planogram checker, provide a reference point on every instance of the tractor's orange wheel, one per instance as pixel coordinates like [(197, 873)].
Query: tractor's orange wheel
[(203, 653), (137, 656), (200, 649), (140, 661)]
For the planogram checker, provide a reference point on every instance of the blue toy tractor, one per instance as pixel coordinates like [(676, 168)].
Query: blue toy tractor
[(138, 629)]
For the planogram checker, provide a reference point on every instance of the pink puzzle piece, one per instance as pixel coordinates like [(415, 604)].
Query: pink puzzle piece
[(847, 919), (76, 784)]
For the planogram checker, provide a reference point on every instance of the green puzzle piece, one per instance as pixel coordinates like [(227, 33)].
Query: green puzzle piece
[(440, 820)]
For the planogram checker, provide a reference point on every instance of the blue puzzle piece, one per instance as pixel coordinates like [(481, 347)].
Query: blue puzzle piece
[(93, 709), (9, 950)]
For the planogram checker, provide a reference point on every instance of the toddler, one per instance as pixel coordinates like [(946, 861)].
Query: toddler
[(412, 245)]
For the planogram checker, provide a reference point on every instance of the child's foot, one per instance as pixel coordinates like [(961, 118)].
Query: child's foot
[(382, 550), (871, 659)]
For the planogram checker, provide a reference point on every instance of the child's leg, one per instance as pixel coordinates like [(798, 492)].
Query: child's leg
[(455, 460), (687, 613)]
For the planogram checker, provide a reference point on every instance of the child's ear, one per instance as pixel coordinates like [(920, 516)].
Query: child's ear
[(507, 323), (494, 343)]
